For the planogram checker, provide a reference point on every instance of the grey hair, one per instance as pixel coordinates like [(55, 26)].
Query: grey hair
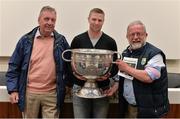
[(47, 8), (137, 22)]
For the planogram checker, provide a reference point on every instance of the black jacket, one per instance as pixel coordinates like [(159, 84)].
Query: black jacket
[(105, 42)]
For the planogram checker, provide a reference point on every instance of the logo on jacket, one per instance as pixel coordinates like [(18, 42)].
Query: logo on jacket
[(143, 61)]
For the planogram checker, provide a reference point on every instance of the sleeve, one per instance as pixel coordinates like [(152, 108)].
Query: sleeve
[(154, 65), (75, 43), (116, 78), (14, 68), (67, 66)]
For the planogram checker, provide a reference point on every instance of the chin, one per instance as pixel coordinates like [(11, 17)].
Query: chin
[(49, 31), (136, 46)]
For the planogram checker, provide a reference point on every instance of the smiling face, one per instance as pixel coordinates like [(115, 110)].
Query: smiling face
[(96, 21), (47, 20), (136, 35)]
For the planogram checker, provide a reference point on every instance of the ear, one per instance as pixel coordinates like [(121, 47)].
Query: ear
[(127, 36), (146, 34), (88, 19), (38, 19)]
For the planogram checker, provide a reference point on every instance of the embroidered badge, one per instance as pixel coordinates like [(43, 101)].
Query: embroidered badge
[(143, 61)]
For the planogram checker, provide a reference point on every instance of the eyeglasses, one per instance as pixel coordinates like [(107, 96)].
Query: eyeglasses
[(138, 34)]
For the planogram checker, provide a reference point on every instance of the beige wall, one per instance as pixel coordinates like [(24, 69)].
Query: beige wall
[(173, 66), (161, 17)]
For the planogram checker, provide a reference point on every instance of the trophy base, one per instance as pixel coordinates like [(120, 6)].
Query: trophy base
[(90, 93)]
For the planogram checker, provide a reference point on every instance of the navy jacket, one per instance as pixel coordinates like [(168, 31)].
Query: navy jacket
[(16, 75), (151, 98)]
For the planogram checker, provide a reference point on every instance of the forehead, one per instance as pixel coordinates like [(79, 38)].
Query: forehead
[(48, 13), (135, 28), (96, 15)]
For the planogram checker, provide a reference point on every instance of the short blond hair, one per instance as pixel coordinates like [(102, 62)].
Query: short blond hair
[(96, 10)]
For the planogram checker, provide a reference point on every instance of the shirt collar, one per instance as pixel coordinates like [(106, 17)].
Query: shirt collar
[(38, 35)]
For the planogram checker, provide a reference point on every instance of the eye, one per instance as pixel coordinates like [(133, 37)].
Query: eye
[(138, 34), (93, 19), (46, 19), (100, 20), (53, 20)]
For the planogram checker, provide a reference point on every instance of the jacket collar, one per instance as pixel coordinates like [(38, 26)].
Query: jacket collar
[(137, 51), (31, 35)]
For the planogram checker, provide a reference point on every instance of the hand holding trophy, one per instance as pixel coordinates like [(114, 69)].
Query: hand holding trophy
[(90, 65)]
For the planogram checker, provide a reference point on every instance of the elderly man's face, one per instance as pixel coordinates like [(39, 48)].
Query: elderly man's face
[(136, 36), (47, 20)]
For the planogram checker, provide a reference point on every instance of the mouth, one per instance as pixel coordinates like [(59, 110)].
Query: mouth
[(136, 45), (136, 41), (49, 28)]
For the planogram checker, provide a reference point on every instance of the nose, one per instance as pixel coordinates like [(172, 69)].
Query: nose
[(136, 36), (96, 22), (50, 21)]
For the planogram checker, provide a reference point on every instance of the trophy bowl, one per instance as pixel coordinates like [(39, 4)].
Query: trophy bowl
[(90, 64)]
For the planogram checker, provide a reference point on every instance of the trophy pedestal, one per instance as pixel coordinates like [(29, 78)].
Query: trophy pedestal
[(90, 90)]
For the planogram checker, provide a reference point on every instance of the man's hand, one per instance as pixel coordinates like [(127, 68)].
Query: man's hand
[(122, 65), (112, 89), (79, 76), (102, 78), (14, 97)]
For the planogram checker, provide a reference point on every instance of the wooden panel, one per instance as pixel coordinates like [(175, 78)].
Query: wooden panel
[(4, 110), (174, 111), (8, 110), (14, 111)]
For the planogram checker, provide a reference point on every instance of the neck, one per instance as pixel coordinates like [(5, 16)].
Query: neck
[(93, 34), (43, 34)]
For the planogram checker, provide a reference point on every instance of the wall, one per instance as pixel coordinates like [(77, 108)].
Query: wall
[(162, 19)]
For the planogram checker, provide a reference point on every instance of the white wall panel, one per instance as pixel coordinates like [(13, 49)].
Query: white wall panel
[(161, 17)]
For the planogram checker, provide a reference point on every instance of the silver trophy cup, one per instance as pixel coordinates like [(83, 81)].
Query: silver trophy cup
[(90, 64)]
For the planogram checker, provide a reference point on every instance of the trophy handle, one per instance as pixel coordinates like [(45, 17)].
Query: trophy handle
[(67, 60), (120, 56)]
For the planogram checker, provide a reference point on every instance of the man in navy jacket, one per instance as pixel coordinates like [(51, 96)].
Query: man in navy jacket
[(37, 74), (146, 95)]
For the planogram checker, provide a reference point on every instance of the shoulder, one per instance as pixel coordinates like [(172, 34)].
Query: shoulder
[(80, 38), (108, 38), (82, 35), (28, 37), (59, 37), (153, 50)]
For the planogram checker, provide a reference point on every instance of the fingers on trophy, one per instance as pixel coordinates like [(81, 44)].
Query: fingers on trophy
[(90, 65)]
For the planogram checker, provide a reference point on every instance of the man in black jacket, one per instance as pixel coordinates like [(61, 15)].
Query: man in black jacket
[(145, 93), (94, 38)]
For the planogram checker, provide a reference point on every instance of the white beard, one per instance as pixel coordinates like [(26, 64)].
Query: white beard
[(135, 46)]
